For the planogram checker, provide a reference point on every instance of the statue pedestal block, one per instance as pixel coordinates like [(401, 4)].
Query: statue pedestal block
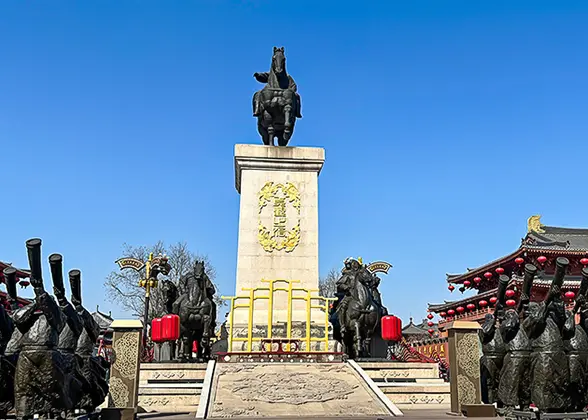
[(464, 358), (278, 224)]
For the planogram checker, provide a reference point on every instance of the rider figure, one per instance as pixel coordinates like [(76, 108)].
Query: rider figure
[(290, 93), (352, 267)]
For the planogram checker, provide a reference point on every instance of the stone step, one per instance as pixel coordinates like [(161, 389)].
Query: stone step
[(165, 372), (169, 399), (420, 371)]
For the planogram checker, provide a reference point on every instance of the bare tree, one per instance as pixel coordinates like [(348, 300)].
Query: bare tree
[(328, 284), (122, 286)]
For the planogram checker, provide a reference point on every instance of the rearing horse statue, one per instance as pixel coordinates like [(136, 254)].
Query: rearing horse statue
[(277, 105)]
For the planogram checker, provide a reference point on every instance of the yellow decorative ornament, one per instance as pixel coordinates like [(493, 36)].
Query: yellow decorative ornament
[(534, 224), (280, 238)]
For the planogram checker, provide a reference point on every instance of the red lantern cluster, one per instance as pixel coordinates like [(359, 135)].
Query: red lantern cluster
[(451, 312), (511, 302), (584, 261), (569, 295), (391, 328), (451, 287), (431, 331), (442, 314), (460, 309), (165, 329), (430, 316), (493, 300), (430, 323), (467, 283), (24, 283)]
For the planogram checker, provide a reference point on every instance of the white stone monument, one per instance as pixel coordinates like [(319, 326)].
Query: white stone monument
[(278, 223)]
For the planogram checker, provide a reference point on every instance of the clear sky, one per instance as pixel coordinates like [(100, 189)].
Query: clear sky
[(445, 124)]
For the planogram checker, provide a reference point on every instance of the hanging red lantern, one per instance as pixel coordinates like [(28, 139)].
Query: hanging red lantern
[(430, 331), (569, 295), (477, 280), (471, 306), (483, 303), (391, 328), (156, 331), (195, 346), (519, 260), (509, 293), (584, 261), (511, 302), (493, 300), (542, 259), (460, 309), (24, 283), (451, 312), (430, 323), (170, 328), (451, 287), (500, 270), (467, 283), (442, 314), (488, 274), (430, 316)]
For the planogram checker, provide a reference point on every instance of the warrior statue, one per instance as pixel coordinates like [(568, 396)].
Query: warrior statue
[(68, 339), (356, 311), (12, 348), (545, 325), (39, 379), (514, 387), (93, 368), (277, 105), (577, 348), (6, 365), (493, 347), (197, 312)]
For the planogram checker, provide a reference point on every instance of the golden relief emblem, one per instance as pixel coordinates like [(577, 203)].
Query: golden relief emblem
[(534, 224), (280, 237)]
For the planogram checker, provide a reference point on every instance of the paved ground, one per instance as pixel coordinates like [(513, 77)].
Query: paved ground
[(411, 414)]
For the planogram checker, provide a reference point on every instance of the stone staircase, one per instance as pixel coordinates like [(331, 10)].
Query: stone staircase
[(171, 387), (410, 385)]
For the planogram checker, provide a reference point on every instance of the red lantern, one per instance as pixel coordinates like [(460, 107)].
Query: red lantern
[(519, 260), (488, 274), (509, 293), (431, 331), (451, 287), (195, 346), (584, 261), (493, 300), (430, 323), (541, 259), (430, 316), (510, 303), (24, 283), (483, 303), (471, 306), (570, 295), (467, 283), (460, 309), (170, 328), (442, 314), (391, 328), (451, 312), (477, 280), (156, 330), (500, 270)]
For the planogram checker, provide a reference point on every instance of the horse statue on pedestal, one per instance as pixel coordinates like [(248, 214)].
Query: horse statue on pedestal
[(197, 312), (356, 314), (277, 105)]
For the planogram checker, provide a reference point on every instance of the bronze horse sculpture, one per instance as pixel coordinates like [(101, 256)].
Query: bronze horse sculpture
[(196, 309), (277, 105), (356, 314)]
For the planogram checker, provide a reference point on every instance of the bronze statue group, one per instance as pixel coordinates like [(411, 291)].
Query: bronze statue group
[(47, 366), (534, 353)]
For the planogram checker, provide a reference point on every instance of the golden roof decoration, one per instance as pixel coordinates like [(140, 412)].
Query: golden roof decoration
[(534, 224)]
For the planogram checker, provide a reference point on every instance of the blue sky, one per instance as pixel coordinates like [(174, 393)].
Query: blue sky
[(445, 124)]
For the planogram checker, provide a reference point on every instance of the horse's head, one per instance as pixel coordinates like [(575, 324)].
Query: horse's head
[(279, 61), (199, 272)]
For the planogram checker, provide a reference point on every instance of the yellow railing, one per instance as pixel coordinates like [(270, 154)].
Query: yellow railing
[(273, 287)]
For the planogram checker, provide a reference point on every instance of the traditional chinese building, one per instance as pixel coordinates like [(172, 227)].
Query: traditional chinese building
[(21, 276), (541, 246)]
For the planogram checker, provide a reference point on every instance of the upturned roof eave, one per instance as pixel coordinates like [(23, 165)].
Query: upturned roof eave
[(458, 278)]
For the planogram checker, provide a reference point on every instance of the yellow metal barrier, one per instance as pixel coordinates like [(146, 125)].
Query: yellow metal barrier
[(273, 287)]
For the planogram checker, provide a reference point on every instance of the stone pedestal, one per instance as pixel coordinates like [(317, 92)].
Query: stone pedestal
[(464, 359), (278, 224), (124, 372)]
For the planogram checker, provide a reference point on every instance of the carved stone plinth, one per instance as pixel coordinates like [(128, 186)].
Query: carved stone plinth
[(124, 372), (278, 223), (464, 359)]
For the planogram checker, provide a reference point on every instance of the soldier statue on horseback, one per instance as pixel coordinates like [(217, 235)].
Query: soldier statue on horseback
[(357, 312), (277, 105)]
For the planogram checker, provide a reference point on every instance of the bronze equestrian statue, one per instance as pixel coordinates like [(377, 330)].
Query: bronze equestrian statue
[(196, 309), (356, 314), (277, 105), (6, 362)]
